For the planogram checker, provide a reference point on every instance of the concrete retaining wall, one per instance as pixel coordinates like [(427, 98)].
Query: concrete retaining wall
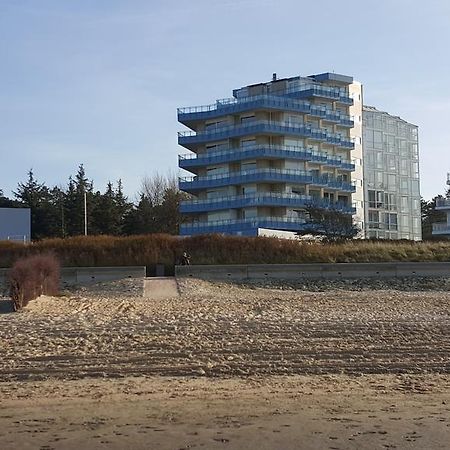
[(322, 271), (89, 275)]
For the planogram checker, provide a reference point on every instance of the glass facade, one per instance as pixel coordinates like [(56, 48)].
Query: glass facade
[(391, 177)]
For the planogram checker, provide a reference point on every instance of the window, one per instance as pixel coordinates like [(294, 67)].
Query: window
[(404, 204), (248, 143), (374, 219), (392, 182), (378, 140), (247, 119), (215, 125), (391, 163), (376, 199)]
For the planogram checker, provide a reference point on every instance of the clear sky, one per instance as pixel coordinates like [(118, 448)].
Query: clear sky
[(98, 82)]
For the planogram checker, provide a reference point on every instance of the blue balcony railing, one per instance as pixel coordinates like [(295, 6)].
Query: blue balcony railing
[(190, 139), (192, 184), (243, 225), (237, 105), (262, 199), (314, 90), (191, 160)]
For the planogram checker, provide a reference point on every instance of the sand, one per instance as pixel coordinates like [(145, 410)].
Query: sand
[(226, 366)]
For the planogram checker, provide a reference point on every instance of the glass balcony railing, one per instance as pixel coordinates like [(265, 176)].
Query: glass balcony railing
[(189, 184), (230, 226), (441, 228), (191, 138), (262, 199), (263, 151), (443, 203), (236, 105), (319, 90)]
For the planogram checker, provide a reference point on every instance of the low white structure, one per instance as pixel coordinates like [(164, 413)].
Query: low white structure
[(15, 224)]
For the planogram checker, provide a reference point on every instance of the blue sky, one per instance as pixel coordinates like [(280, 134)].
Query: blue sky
[(99, 82)]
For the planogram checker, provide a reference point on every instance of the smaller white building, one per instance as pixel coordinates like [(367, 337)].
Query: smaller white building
[(443, 204), (15, 224)]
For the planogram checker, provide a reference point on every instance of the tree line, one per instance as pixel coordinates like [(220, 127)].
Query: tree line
[(59, 211)]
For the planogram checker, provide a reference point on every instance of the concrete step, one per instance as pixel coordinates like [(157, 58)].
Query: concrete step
[(161, 288)]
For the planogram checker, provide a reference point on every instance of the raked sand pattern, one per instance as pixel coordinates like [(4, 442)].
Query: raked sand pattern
[(227, 366)]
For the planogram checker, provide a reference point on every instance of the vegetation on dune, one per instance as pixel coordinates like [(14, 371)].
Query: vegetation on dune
[(33, 276), (165, 249)]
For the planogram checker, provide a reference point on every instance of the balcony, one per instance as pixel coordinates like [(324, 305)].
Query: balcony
[(443, 203), (441, 229), (320, 91), (190, 139), (261, 199), (260, 102), (190, 161), (192, 184), (244, 226)]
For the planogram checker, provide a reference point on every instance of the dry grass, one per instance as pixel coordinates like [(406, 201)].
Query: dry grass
[(152, 249)]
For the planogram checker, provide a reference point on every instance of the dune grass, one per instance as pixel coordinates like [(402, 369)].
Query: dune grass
[(165, 249)]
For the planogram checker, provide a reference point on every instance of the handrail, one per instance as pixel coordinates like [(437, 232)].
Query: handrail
[(284, 102), (198, 224), (295, 172), (443, 202), (275, 195), (273, 148), (317, 132), (313, 201), (444, 226)]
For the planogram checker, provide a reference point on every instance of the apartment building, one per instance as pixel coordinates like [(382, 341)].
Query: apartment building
[(442, 229), (259, 158), (390, 177)]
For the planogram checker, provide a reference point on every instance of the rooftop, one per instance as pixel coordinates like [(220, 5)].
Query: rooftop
[(373, 109)]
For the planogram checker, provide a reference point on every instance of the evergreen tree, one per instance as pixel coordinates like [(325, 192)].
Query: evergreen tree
[(123, 206), (37, 197), (140, 219), (75, 203), (105, 219), (6, 202)]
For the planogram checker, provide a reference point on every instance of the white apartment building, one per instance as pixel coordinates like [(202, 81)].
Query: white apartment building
[(260, 158)]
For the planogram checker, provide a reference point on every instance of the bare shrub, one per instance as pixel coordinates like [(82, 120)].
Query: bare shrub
[(33, 276)]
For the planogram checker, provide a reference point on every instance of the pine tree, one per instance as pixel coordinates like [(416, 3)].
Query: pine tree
[(141, 218), (105, 219), (6, 202), (74, 203), (37, 197)]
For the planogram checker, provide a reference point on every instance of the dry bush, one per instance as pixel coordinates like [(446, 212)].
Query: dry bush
[(33, 276)]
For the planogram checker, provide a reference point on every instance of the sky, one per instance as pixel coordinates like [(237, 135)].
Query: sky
[(98, 82)]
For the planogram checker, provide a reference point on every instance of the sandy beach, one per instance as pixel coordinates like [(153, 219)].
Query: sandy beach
[(227, 366)]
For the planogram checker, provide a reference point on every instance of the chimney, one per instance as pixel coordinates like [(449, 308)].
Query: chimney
[(274, 77)]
